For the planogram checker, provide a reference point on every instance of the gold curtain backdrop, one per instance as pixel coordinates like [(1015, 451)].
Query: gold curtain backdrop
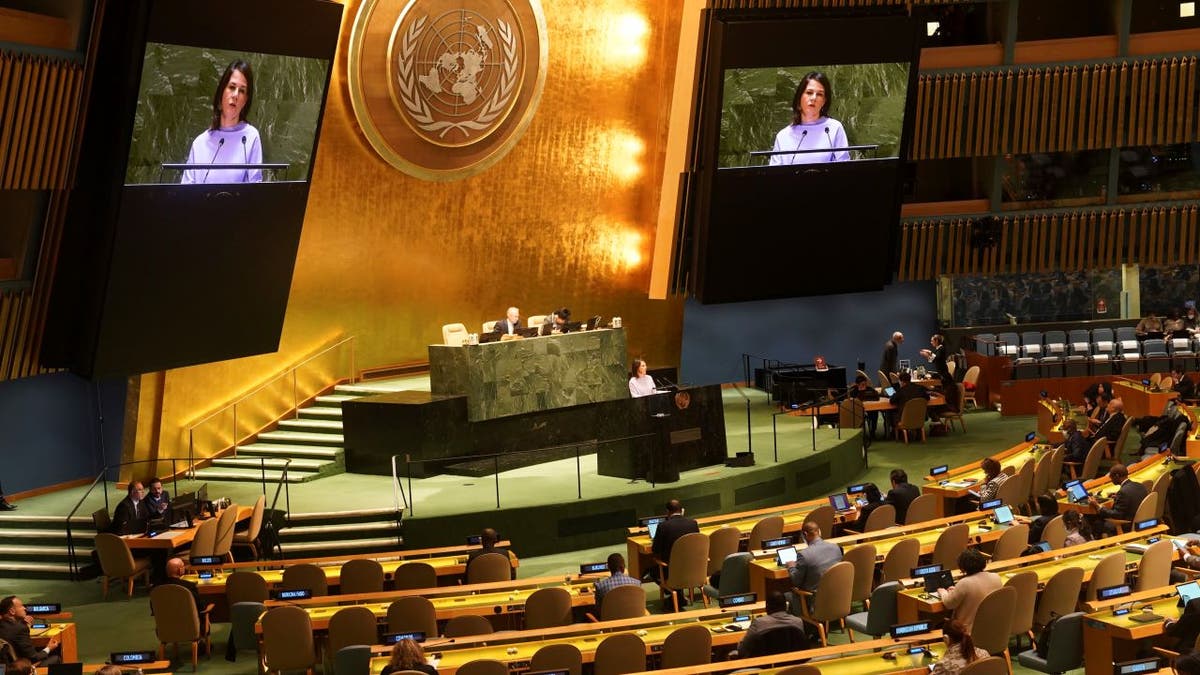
[(565, 219)]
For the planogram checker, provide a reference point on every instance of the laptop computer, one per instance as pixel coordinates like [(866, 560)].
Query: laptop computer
[(889, 391), (1075, 491), (1003, 515), (839, 502), (938, 580)]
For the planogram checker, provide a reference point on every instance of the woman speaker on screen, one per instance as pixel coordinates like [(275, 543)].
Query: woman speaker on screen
[(229, 139), (811, 127)]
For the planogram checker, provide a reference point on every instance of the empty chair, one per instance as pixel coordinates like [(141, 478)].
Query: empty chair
[(483, 667), (354, 625), (949, 544), (770, 527), (802, 669), (832, 601), (557, 657), (101, 520), (1065, 651), (1060, 595), (823, 517), (413, 613), (970, 381), (921, 509), (1126, 333), (1154, 569), (620, 653), (177, 619), (1041, 477), (721, 543), (992, 634), (735, 576), (1008, 344), (410, 575), (248, 538), (287, 640), (245, 587), (687, 646), (535, 321), (883, 517), (489, 567), (862, 557), (900, 560), (1055, 533), (467, 624), (1108, 572), (881, 615), (489, 326), (626, 602), (305, 576), (454, 334), (1153, 348), (361, 575), (985, 343), (992, 665), (1012, 543), (242, 618), (547, 608), (1079, 345), (226, 524), (949, 416), (1055, 342), (912, 418), (204, 541), (1031, 345), (689, 560), (116, 562), (1026, 586), (1160, 487)]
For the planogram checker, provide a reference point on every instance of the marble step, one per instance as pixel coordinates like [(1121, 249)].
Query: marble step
[(338, 532), (23, 552), (29, 569), (321, 412), (274, 463), (323, 548), (301, 437), (368, 388), (311, 425), (337, 517), (335, 399), (253, 475), (289, 450)]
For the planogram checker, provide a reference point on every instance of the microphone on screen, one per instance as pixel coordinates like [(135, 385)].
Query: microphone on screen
[(245, 160), (827, 137), (216, 152), (800, 142)]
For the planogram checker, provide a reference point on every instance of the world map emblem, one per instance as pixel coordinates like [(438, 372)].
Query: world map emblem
[(444, 88)]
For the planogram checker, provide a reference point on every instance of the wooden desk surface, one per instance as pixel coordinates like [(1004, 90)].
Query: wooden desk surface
[(67, 636), (1141, 400), (410, 555), (855, 658), (173, 539)]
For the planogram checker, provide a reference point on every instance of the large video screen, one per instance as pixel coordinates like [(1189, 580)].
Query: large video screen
[(206, 106)]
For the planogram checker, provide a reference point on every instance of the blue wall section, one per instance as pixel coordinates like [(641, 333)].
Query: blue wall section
[(51, 430), (844, 328)]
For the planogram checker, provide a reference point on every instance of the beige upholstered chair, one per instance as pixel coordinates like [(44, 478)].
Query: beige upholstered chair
[(881, 518), (410, 575), (1106, 573), (413, 613), (245, 587), (619, 654), (288, 640), (1060, 595), (823, 517), (1154, 569), (548, 608), (1145, 511), (177, 619), (226, 523), (305, 575), (454, 335), (921, 509), (992, 665), (949, 416), (1091, 463), (770, 527), (468, 624), (722, 542), (1026, 585), (535, 321), (831, 601), (483, 667), (489, 567), (117, 562), (900, 560), (249, 537), (949, 544), (361, 575), (623, 602), (204, 541), (912, 418), (1055, 533), (557, 657), (1012, 543), (354, 625), (489, 326), (992, 634), (862, 557), (687, 567), (687, 646)]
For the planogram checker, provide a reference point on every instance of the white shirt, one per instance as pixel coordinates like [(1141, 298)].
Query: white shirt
[(641, 386)]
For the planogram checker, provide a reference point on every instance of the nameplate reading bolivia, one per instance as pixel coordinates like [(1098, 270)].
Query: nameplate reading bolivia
[(444, 88)]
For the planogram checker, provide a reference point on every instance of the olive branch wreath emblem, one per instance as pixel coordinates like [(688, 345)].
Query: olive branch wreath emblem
[(419, 109)]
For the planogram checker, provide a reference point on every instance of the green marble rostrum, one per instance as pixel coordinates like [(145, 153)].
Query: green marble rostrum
[(522, 376), (757, 102), (175, 106)]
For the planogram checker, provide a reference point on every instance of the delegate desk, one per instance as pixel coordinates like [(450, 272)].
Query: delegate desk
[(913, 602), (1148, 469), (501, 599), (1108, 638), (516, 649), (1141, 400), (68, 639), (638, 545), (172, 540), (960, 481), (1050, 422), (766, 574), (883, 655), (882, 405)]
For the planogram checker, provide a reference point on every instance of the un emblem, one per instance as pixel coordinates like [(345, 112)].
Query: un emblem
[(444, 88)]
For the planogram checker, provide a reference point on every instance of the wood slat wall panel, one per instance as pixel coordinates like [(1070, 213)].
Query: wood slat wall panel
[(39, 99)]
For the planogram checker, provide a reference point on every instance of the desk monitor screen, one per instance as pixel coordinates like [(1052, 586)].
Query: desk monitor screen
[(292, 594), (939, 470), (785, 555), (1112, 592), (1029, 437), (839, 502), (650, 520), (738, 599), (1188, 592), (183, 508), (889, 391), (205, 575), (903, 629), (39, 625), (1149, 665), (855, 489), (206, 560), (121, 658), (44, 608), (202, 494), (1003, 515), (393, 638), (991, 504), (1075, 491), (938, 580), (1145, 524), (923, 570), (593, 568), (529, 332), (474, 540), (772, 544), (75, 668), (652, 528)]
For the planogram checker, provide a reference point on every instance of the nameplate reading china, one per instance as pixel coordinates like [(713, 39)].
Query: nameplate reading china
[(445, 88)]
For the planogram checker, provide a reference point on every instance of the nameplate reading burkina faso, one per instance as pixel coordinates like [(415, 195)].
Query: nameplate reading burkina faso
[(445, 88)]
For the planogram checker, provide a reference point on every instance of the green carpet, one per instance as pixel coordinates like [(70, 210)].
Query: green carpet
[(124, 624)]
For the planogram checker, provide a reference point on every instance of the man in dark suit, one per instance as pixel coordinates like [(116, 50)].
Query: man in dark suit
[(902, 494), (811, 563), (487, 541), (1183, 385), (510, 323), (1110, 428), (891, 354), (174, 577), (1125, 503), (14, 629), (669, 531), (131, 513)]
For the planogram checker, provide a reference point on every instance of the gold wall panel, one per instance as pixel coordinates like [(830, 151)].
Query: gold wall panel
[(566, 218)]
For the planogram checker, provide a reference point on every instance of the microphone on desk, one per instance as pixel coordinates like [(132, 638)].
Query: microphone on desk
[(800, 142), (832, 155), (216, 152)]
